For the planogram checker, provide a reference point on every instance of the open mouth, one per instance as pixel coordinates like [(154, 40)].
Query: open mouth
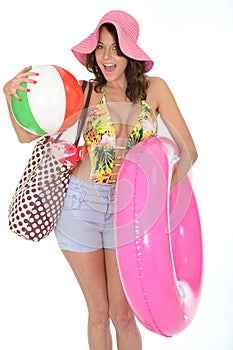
[(109, 67)]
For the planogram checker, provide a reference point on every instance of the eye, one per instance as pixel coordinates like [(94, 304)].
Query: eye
[(99, 46)]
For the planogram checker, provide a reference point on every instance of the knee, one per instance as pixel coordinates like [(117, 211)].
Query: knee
[(123, 320), (98, 317)]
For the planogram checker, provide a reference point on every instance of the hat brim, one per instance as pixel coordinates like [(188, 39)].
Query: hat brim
[(127, 46)]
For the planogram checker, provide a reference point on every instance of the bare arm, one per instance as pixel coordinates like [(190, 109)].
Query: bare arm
[(173, 119), (10, 89)]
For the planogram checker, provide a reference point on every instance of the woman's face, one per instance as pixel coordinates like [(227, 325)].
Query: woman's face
[(111, 64)]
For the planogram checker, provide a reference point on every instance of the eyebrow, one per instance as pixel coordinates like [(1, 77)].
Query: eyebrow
[(100, 42)]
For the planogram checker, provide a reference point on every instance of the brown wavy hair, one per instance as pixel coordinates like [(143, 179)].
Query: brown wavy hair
[(137, 82)]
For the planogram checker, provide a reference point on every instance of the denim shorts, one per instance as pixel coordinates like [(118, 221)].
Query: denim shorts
[(87, 219)]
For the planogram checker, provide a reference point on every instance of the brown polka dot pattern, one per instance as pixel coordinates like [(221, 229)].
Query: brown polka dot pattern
[(38, 199)]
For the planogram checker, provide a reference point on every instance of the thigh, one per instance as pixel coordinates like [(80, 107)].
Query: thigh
[(89, 269)]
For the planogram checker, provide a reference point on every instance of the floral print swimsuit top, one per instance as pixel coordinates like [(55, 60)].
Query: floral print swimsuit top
[(99, 135)]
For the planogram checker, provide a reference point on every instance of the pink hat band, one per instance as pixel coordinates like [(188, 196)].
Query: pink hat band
[(127, 30)]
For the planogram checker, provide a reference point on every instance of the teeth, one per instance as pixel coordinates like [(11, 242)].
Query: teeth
[(108, 65)]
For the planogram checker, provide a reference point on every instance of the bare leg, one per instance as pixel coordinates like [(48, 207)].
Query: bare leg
[(127, 332), (89, 269)]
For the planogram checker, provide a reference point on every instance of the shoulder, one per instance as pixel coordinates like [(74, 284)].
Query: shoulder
[(88, 88), (84, 85), (157, 84), (158, 91)]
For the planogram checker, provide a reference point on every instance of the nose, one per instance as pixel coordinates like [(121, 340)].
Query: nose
[(107, 53)]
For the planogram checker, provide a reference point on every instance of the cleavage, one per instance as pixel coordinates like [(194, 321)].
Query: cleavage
[(124, 117)]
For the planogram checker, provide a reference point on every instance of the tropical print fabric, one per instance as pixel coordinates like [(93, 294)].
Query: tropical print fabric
[(100, 139)]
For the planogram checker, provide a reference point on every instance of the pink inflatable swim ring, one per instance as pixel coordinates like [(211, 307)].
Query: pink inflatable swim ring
[(158, 238)]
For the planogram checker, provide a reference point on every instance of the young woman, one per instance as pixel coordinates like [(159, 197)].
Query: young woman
[(123, 111)]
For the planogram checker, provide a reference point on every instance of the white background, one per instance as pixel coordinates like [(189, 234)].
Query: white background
[(41, 306)]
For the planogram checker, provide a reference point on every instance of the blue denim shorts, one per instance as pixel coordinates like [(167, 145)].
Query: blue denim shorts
[(87, 219)]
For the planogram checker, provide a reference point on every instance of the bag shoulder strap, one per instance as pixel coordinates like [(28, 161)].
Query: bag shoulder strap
[(83, 115)]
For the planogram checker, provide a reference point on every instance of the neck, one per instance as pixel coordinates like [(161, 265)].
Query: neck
[(119, 84), (115, 93)]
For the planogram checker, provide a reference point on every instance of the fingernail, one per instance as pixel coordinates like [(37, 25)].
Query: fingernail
[(37, 74), (34, 81), (28, 90)]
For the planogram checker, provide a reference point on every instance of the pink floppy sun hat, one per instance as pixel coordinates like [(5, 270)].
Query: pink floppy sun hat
[(128, 31)]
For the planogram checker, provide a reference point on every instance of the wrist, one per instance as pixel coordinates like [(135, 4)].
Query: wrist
[(7, 93)]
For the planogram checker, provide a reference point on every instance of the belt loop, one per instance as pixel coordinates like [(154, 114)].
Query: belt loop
[(83, 195), (81, 189), (111, 194)]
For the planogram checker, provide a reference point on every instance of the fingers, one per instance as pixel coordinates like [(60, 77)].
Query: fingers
[(24, 76), (26, 72), (26, 69)]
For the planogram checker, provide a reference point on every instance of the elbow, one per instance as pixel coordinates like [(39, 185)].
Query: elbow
[(22, 140), (189, 155), (193, 155), (26, 139)]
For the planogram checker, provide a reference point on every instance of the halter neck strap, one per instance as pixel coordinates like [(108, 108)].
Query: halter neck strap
[(105, 91)]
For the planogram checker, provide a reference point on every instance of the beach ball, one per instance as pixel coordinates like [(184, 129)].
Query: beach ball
[(52, 105)]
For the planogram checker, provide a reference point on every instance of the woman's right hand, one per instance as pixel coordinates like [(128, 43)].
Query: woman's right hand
[(11, 87)]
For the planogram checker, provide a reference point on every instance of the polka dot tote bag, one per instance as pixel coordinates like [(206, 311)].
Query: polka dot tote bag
[(38, 199)]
